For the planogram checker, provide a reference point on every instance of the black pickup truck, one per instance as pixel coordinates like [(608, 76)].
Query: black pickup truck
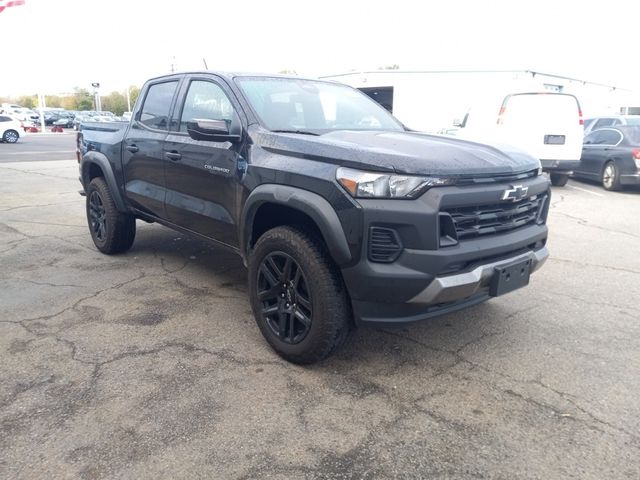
[(342, 215)]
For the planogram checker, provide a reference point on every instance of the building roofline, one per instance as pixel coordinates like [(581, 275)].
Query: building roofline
[(532, 72)]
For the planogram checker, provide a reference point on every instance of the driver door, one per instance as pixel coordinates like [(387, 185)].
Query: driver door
[(202, 177)]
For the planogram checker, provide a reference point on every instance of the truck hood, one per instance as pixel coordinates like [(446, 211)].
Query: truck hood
[(401, 152)]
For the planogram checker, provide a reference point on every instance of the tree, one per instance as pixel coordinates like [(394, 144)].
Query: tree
[(53, 101), (115, 102), (83, 99), (134, 92), (28, 101)]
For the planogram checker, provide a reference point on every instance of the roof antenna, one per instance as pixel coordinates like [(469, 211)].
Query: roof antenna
[(205, 63)]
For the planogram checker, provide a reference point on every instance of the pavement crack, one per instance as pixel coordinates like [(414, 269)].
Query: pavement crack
[(48, 284)]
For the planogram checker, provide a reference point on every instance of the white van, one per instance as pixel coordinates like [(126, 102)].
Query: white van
[(547, 125), (519, 108)]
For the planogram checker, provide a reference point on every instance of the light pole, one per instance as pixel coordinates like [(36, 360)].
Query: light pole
[(96, 96)]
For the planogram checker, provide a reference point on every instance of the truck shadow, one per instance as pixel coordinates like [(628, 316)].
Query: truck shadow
[(430, 341)]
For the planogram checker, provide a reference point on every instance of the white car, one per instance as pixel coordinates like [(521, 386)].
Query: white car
[(10, 129)]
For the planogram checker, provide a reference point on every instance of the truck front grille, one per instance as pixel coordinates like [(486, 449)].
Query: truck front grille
[(479, 220)]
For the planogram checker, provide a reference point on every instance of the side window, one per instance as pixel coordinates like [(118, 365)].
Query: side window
[(594, 138), (4, 119), (205, 100), (610, 137), (603, 137), (604, 122), (156, 106)]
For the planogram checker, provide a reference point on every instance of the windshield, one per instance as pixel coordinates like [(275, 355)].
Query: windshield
[(293, 104)]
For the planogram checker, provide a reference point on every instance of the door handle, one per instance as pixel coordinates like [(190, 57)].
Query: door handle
[(175, 156), (132, 148)]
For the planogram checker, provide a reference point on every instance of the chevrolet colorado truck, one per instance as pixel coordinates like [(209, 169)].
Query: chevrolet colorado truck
[(342, 216)]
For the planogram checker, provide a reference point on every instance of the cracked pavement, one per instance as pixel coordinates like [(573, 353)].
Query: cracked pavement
[(149, 364)]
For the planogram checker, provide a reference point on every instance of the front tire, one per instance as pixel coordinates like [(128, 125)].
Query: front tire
[(111, 230), (298, 296), (10, 136), (611, 177), (559, 179)]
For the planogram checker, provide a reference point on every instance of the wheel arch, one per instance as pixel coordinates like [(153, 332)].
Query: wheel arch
[(96, 164), (272, 205)]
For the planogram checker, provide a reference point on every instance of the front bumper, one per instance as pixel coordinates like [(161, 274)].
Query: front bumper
[(429, 277), (451, 288)]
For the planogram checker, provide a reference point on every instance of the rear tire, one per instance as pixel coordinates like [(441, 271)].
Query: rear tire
[(111, 230), (611, 177), (297, 295), (10, 136), (559, 179)]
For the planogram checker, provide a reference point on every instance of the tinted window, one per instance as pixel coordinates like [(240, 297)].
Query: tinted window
[(604, 122), (603, 137), (588, 122), (205, 100), (5, 119), (157, 103)]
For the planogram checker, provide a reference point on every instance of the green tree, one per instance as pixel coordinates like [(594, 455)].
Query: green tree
[(53, 101), (115, 102), (83, 99), (134, 92), (28, 101)]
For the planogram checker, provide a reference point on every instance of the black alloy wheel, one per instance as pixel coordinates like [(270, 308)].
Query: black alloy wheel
[(283, 292), (98, 216)]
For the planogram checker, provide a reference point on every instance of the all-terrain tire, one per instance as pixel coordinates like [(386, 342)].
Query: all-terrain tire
[(111, 230), (330, 317)]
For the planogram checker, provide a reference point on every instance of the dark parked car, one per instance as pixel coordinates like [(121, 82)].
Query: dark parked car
[(65, 121), (612, 156), (596, 123), (342, 216)]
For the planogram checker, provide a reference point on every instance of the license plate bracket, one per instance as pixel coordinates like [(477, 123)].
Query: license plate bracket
[(554, 139), (508, 278)]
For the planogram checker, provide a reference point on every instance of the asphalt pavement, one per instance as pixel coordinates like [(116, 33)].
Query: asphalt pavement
[(150, 365), (37, 147)]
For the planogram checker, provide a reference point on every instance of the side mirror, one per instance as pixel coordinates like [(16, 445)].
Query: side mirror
[(215, 130)]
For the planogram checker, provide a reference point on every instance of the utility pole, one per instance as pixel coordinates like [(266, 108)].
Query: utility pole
[(96, 96)]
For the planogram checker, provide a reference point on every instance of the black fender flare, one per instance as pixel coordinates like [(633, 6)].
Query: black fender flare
[(102, 161), (309, 203)]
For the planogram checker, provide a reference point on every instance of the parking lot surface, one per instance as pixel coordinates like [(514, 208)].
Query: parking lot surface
[(150, 365)]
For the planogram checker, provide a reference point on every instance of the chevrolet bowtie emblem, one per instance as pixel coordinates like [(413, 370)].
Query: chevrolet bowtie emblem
[(515, 193)]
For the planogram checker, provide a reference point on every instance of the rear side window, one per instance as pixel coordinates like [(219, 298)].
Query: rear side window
[(604, 122), (205, 100), (603, 137), (156, 106), (535, 106), (5, 119)]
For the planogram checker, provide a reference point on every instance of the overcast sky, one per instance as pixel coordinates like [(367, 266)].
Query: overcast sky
[(53, 46)]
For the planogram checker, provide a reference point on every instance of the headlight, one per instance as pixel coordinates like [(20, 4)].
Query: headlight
[(382, 185)]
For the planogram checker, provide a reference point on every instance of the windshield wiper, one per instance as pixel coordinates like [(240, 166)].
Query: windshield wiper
[(300, 132)]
